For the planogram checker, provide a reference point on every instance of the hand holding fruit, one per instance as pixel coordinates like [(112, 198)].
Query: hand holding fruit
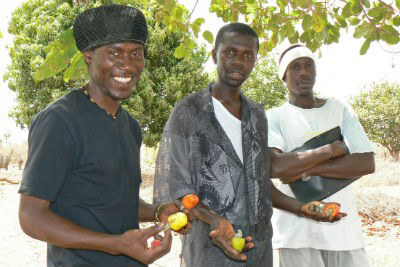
[(171, 213), (238, 241), (322, 211), (223, 235)]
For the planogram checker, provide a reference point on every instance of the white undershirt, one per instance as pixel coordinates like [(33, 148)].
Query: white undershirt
[(231, 125)]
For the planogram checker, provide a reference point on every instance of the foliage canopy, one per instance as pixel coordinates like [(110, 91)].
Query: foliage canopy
[(311, 22), (379, 113), (264, 85)]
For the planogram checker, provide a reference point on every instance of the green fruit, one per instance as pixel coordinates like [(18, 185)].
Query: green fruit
[(238, 243)]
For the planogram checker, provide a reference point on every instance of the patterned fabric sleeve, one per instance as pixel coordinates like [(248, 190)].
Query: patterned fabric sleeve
[(172, 174)]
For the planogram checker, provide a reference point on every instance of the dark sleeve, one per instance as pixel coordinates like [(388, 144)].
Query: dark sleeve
[(50, 156)]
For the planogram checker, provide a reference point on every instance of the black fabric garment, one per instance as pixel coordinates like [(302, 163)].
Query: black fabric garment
[(196, 156), (87, 165)]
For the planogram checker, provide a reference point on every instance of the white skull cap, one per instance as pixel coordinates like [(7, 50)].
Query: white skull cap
[(292, 54)]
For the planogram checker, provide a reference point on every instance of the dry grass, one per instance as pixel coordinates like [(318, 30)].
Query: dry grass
[(379, 191)]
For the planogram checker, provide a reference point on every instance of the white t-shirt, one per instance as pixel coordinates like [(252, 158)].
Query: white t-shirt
[(231, 125), (288, 128)]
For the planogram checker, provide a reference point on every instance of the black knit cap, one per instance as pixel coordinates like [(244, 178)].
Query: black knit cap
[(109, 24)]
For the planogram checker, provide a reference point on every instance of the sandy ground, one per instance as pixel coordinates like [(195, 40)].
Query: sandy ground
[(18, 250)]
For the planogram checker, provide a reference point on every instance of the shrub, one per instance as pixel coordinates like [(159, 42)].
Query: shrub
[(379, 113)]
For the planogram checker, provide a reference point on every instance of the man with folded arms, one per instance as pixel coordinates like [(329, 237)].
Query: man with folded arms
[(302, 242)]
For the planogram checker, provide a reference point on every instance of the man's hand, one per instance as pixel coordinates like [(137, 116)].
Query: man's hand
[(307, 211), (287, 180), (170, 208), (133, 243), (339, 149), (222, 233)]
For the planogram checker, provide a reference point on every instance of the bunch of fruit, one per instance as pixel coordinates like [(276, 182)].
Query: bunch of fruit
[(329, 210), (179, 219)]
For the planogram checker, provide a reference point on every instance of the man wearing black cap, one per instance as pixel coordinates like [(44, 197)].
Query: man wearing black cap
[(80, 187), (215, 145)]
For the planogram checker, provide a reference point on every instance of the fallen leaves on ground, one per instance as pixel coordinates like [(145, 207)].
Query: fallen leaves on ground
[(382, 224)]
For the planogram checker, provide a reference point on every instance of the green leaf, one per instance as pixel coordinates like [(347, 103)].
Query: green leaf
[(178, 12), (77, 68), (169, 5), (390, 35), (354, 20), (196, 26), (282, 4), (307, 22), (398, 4), (355, 7), (294, 38), (362, 30), (342, 22), (301, 3), (365, 47), (318, 22), (377, 12), (287, 30), (196, 30), (182, 52), (199, 21), (190, 44), (304, 37), (396, 21), (208, 36), (366, 3), (346, 12), (61, 52), (1, 35), (336, 10)]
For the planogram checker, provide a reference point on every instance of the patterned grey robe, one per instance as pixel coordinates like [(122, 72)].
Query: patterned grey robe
[(196, 156)]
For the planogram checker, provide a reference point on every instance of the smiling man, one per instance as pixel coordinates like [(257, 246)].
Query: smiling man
[(80, 187), (215, 145)]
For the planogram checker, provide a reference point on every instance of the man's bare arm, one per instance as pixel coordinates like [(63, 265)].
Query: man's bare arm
[(39, 222), (292, 205), (146, 211), (295, 163), (349, 166)]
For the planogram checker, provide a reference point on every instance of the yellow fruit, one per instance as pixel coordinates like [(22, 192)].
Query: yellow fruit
[(238, 243), (177, 220)]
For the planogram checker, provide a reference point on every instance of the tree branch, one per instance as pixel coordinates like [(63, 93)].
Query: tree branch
[(86, 4)]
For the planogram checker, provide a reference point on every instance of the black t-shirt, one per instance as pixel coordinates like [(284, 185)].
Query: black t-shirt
[(87, 165)]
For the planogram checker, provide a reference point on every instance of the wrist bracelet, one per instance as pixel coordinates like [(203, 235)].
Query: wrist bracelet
[(156, 211)]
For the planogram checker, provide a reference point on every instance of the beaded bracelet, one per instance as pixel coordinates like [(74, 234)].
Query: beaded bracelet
[(155, 214)]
